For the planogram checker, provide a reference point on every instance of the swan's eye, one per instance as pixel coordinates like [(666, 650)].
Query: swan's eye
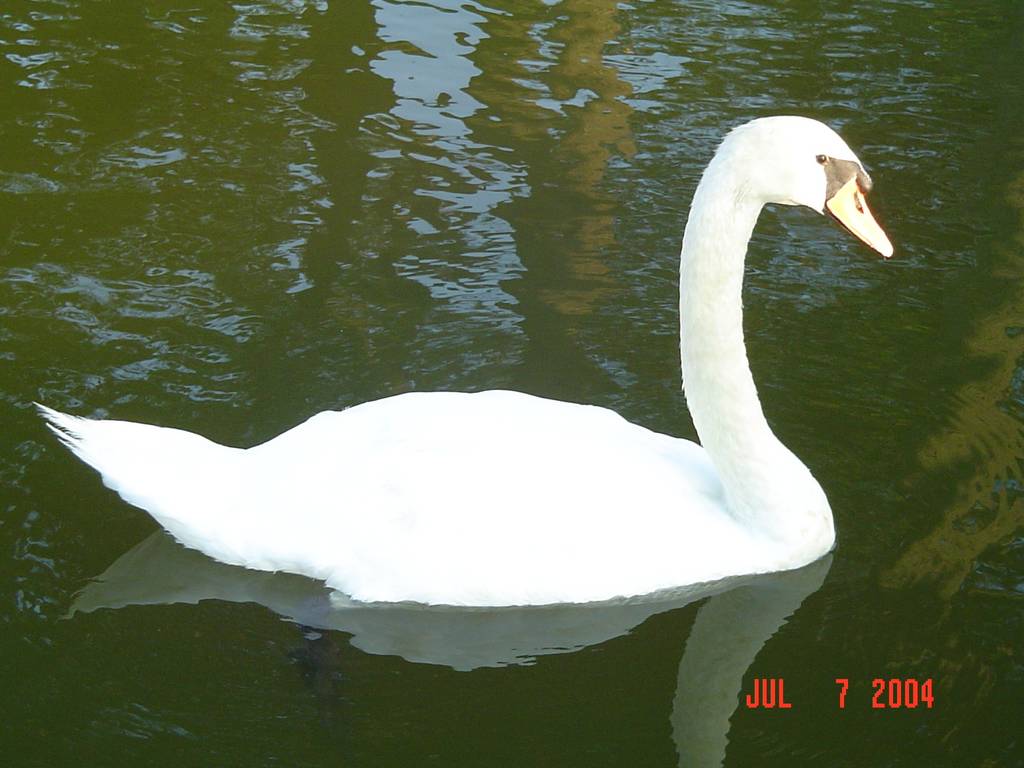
[(822, 159)]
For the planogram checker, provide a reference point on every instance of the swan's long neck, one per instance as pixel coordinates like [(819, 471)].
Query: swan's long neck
[(767, 487)]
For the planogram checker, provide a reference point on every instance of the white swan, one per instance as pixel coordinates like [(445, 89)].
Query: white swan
[(500, 498)]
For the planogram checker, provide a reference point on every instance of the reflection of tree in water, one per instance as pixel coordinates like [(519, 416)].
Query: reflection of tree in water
[(600, 126), (433, 218), (560, 104), (984, 434)]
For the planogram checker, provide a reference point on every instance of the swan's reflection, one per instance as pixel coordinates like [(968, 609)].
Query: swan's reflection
[(729, 631)]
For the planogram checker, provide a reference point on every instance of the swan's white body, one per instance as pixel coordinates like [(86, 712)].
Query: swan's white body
[(501, 498)]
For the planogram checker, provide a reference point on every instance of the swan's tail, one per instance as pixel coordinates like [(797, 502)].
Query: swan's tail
[(176, 476)]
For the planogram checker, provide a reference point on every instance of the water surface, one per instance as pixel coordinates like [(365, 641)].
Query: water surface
[(228, 217)]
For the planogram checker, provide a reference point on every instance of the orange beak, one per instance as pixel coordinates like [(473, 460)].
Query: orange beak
[(851, 209)]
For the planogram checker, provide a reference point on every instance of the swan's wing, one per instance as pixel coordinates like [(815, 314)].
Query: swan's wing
[(492, 498)]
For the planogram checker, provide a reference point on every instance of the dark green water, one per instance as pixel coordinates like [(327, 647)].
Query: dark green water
[(228, 217)]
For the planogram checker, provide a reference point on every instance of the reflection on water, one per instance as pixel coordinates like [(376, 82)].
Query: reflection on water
[(228, 216), (458, 180), (738, 618), (455, 161), (983, 447), (582, 86)]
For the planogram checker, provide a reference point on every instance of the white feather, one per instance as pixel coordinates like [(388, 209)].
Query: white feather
[(501, 498)]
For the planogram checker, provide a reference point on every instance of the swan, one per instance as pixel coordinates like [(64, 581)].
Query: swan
[(500, 498)]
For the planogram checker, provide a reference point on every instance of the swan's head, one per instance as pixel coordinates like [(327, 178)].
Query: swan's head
[(800, 161)]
